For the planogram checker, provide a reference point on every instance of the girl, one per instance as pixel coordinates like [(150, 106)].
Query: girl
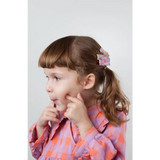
[(85, 119)]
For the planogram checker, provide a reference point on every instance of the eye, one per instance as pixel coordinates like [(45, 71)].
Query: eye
[(47, 77), (56, 78)]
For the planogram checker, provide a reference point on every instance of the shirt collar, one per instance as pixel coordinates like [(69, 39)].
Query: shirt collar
[(97, 117), (55, 126), (95, 114)]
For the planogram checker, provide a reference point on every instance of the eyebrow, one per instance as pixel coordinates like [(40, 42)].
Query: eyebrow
[(54, 73)]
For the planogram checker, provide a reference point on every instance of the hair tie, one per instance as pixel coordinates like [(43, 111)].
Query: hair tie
[(103, 58)]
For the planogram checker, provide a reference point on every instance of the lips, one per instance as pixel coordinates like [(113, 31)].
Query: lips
[(54, 100)]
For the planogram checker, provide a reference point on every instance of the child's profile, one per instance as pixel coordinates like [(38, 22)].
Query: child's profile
[(81, 121)]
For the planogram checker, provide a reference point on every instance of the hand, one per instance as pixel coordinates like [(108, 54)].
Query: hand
[(50, 113), (77, 113)]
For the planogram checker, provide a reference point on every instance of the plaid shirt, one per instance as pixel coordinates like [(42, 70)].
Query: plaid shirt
[(62, 141)]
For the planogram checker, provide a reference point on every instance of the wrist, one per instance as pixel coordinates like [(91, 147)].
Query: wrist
[(84, 128), (39, 130), (39, 127)]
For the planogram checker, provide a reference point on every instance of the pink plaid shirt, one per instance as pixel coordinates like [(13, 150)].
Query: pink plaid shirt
[(62, 141)]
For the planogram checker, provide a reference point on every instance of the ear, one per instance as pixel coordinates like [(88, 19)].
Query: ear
[(89, 81)]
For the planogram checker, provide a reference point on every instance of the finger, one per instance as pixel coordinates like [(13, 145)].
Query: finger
[(54, 119), (72, 99), (66, 115), (70, 105), (57, 113), (51, 104), (75, 99), (53, 111), (80, 97), (50, 114), (68, 109)]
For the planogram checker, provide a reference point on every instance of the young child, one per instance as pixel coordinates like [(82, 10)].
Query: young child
[(85, 119)]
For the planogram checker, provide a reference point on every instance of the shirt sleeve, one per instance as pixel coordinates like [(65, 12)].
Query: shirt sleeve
[(36, 145), (108, 145)]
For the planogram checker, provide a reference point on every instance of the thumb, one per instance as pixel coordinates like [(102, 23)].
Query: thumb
[(51, 104), (80, 97)]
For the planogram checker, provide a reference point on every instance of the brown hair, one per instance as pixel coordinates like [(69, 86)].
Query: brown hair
[(80, 53)]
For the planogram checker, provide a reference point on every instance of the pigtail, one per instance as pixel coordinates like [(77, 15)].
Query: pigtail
[(111, 97)]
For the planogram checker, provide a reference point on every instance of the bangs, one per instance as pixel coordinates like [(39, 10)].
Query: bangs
[(57, 54), (50, 60)]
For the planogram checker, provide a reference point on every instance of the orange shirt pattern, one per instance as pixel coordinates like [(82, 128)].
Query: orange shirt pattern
[(62, 140)]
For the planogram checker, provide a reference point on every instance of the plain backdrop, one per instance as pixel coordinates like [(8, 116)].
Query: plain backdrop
[(109, 22)]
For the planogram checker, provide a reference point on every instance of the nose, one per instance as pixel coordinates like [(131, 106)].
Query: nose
[(49, 87)]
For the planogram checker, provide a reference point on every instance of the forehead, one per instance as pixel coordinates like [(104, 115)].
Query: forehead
[(63, 71)]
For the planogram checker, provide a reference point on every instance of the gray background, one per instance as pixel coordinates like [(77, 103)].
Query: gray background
[(107, 21)]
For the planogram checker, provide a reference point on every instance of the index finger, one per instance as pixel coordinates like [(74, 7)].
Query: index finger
[(51, 104), (73, 99)]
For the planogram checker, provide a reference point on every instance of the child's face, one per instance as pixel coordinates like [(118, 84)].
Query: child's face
[(62, 82)]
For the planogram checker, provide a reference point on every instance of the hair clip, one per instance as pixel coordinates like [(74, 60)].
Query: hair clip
[(103, 58)]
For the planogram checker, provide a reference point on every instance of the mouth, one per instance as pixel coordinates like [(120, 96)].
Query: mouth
[(54, 100)]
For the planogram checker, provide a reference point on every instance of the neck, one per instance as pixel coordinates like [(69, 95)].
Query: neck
[(90, 103), (89, 98)]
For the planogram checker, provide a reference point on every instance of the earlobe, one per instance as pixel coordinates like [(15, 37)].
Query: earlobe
[(89, 81)]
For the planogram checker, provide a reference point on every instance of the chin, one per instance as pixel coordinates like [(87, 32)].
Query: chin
[(61, 108)]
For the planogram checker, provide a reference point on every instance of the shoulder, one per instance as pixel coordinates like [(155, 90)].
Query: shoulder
[(121, 115), (99, 120)]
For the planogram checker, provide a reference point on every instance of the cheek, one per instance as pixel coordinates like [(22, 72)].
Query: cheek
[(61, 94), (67, 89), (75, 89)]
